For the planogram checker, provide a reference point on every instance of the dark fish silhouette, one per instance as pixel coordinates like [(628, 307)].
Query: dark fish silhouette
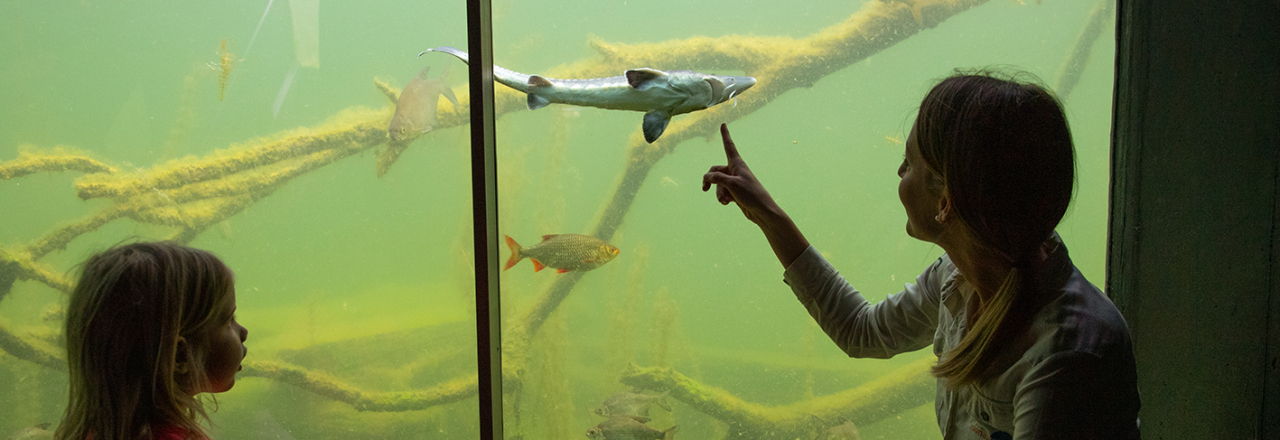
[(631, 404), (628, 428)]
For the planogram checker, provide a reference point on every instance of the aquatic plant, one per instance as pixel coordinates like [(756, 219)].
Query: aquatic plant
[(190, 195)]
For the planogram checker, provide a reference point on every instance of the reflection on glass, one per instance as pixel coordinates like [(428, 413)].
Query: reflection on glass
[(689, 332), (349, 234)]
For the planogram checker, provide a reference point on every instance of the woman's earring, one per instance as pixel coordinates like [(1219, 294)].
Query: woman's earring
[(938, 217)]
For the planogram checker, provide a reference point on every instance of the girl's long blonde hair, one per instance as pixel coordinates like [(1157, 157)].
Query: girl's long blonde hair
[(1004, 152), (134, 325)]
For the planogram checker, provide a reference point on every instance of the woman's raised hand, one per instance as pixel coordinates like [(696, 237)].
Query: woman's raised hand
[(735, 183)]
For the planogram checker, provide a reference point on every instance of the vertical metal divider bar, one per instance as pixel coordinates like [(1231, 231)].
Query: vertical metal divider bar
[(484, 196)]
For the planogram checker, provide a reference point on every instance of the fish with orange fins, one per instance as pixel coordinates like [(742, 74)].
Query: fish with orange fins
[(563, 252)]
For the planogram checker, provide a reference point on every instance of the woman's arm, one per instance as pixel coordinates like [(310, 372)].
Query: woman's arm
[(903, 322), (735, 183)]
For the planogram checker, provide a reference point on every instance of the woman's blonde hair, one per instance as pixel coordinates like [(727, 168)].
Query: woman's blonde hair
[(1003, 149), (134, 325)]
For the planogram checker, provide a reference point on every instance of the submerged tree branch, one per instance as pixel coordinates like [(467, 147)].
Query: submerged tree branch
[(1078, 59), (908, 387), (327, 386), (27, 163)]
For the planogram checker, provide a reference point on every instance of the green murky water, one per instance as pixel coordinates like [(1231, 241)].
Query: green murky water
[(368, 280)]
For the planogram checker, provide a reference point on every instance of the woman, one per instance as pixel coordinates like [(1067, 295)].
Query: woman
[(1027, 347)]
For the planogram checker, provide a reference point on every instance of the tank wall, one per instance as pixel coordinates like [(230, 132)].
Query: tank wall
[(1193, 256)]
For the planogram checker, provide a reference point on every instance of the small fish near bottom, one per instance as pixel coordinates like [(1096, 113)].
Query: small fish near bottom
[(629, 428), (630, 404)]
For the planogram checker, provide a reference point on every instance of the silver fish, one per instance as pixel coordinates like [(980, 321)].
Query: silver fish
[(631, 404), (416, 107), (563, 252), (628, 428), (659, 94)]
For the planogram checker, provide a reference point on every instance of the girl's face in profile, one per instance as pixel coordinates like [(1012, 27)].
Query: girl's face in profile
[(920, 192), (225, 349)]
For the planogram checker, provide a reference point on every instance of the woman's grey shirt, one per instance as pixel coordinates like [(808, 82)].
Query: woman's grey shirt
[(1072, 372)]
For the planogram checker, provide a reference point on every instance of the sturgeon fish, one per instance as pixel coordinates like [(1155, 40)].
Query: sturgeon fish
[(660, 94)]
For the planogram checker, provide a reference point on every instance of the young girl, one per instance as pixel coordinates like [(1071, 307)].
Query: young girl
[(149, 326), (1027, 347)]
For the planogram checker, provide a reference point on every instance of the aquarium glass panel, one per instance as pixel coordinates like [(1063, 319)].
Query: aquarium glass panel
[(262, 131), (689, 325)]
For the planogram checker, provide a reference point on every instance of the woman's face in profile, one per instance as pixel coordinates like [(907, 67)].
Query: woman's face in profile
[(919, 191)]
